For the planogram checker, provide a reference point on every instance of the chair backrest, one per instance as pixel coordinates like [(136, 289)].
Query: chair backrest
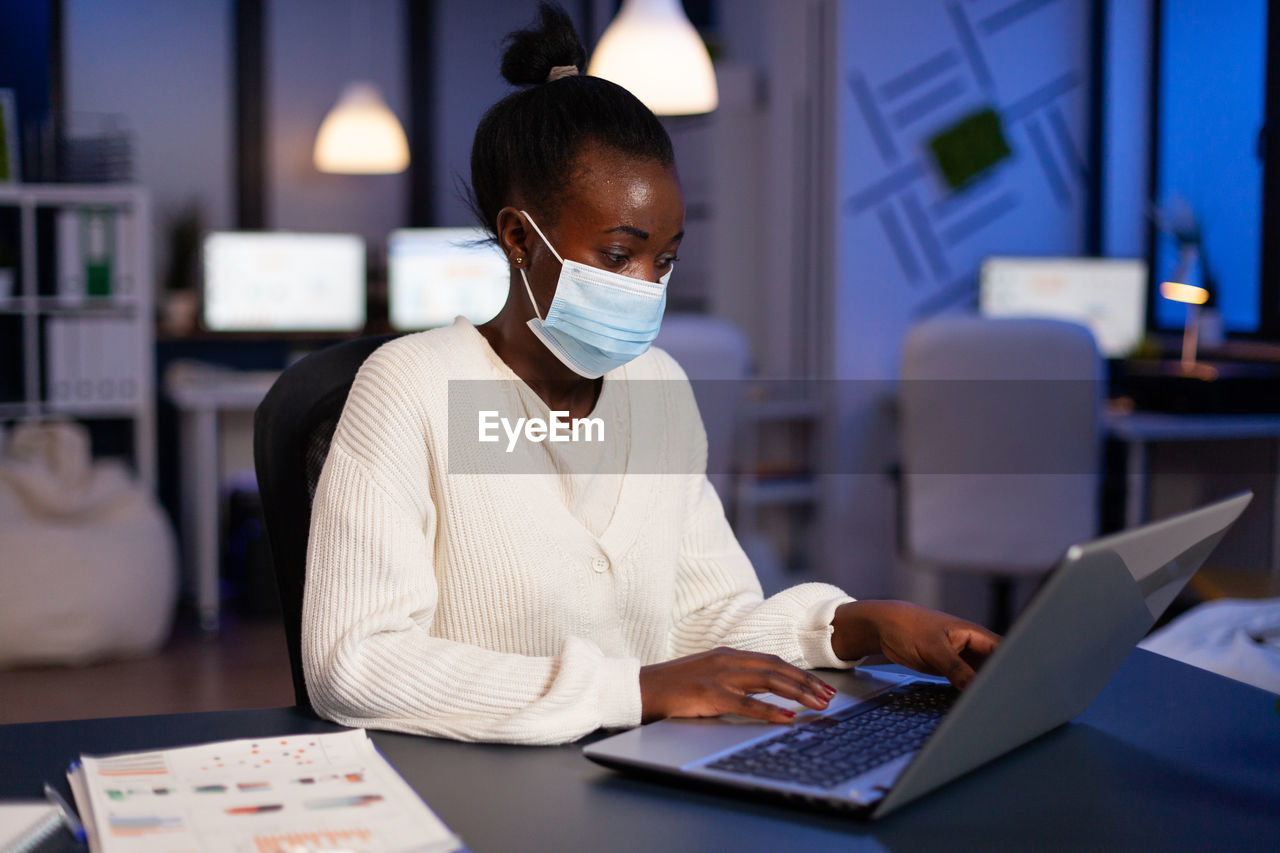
[(292, 428), (1001, 441)]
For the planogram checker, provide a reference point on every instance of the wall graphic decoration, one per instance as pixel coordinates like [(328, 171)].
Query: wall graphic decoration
[(963, 132), (928, 96)]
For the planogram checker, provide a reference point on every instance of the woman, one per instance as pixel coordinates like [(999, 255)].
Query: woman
[(447, 601)]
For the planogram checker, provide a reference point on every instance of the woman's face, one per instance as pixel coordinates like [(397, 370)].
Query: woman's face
[(620, 213)]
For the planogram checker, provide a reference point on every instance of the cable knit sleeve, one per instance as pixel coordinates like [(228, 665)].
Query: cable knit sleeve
[(718, 596), (719, 601), (370, 655)]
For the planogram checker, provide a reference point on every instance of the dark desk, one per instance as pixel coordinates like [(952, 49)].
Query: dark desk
[(1168, 758), (1139, 430)]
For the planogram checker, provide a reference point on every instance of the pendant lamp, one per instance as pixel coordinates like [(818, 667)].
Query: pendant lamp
[(360, 135), (653, 51)]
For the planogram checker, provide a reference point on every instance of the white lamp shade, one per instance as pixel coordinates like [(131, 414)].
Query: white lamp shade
[(361, 136), (653, 51)]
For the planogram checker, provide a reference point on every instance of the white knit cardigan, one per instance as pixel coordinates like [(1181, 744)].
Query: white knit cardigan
[(476, 607)]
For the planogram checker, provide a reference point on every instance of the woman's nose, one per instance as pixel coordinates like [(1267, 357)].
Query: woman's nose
[(649, 271)]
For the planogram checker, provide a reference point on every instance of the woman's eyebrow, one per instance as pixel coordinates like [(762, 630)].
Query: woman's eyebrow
[(629, 229), (637, 232)]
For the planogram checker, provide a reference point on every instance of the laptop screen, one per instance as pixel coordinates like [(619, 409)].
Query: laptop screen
[(1106, 294), (283, 282), (437, 274)]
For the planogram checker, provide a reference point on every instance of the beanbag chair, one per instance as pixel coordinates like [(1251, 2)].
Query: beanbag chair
[(88, 565)]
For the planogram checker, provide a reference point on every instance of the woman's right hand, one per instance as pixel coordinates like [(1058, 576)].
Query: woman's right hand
[(721, 681)]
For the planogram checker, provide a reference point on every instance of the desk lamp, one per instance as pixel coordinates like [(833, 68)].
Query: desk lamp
[(1193, 297)]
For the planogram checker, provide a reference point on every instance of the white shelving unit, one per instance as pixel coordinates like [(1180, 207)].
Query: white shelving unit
[(777, 447), (129, 305)]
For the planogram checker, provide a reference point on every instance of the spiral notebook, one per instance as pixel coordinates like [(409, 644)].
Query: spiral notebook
[(18, 819)]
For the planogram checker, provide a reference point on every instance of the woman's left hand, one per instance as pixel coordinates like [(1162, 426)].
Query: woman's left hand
[(916, 637)]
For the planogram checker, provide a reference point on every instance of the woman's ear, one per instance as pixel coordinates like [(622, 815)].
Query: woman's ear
[(513, 236)]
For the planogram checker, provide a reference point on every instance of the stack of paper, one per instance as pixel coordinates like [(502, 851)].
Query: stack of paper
[(270, 795)]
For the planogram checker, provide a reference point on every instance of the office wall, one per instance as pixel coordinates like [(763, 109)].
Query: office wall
[(1126, 120), (165, 68), (467, 53), (314, 48), (774, 255), (910, 245), (907, 246)]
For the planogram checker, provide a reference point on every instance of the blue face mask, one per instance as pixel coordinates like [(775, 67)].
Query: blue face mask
[(598, 319)]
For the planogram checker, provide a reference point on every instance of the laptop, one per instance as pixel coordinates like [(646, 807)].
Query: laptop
[(889, 738)]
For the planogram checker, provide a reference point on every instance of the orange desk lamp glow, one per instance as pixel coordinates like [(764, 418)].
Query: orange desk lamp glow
[(653, 51), (1188, 293), (1193, 297)]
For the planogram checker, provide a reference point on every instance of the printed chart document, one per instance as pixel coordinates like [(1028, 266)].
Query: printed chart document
[(271, 795)]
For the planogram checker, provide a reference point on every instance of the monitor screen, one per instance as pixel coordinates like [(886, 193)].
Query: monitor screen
[(283, 282), (1109, 295), (436, 274)]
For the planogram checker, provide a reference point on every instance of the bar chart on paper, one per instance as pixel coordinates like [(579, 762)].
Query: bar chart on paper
[(331, 839)]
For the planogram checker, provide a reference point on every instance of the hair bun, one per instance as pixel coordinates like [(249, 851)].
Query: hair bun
[(531, 53)]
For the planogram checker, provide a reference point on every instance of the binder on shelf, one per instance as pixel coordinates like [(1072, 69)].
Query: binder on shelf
[(123, 268), (130, 364), (117, 383), (91, 363), (89, 347), (69, 261), (94, 249), (55, 377), (62, 361), (98, 230)]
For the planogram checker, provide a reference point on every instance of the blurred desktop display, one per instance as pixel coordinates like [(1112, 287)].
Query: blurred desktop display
[(436, 274), (1106, 294), (265, 281)]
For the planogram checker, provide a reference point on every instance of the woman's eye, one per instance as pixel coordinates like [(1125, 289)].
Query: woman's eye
[(615, 259), (668, 263)]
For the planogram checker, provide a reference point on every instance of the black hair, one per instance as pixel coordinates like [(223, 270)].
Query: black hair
[(526, 143)]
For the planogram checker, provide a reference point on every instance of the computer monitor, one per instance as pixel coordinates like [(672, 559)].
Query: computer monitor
[(436, 274), (1106, 294), (271, 281)]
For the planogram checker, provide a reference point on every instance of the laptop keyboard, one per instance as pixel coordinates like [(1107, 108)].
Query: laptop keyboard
[(844, 745)]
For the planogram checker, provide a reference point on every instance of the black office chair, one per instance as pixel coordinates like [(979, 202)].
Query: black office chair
[(292, 429)]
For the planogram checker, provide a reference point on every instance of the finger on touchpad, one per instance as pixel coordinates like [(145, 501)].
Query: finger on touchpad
[(782, 702)]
